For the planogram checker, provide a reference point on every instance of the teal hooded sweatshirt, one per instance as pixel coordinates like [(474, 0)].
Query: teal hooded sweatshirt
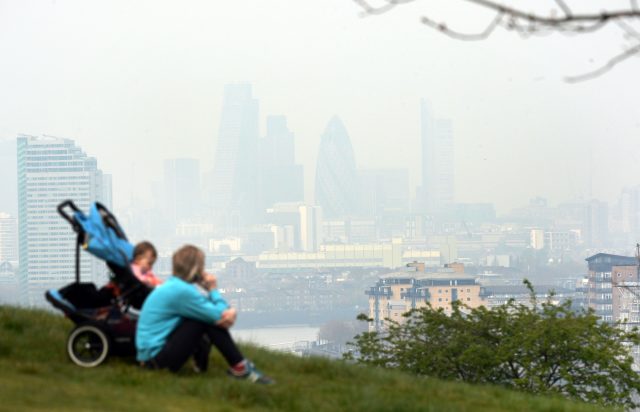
[(166, 306)]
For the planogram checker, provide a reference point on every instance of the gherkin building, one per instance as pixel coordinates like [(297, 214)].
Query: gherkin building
[(336, 188)]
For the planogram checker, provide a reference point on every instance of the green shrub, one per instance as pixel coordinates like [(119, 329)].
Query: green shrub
[(542, 348)]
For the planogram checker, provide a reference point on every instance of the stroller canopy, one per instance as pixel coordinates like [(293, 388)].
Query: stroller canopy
[(103, 236)]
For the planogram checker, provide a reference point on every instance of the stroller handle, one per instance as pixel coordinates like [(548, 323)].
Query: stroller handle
[(110, 220), (66, 216)]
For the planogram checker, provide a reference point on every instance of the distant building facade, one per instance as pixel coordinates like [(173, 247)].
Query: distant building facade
[(51, 170), (296, 226), (498, 295), (596, 225), (9, 287), (625, 282), (8, 239), (398, 293), (349, 230), (239, 268), (537, 239), (390, 255), (626, 296), (281, 179), (625, 216), (383, 190), (233, 185), (600, 284), (284, 220), (561, 242), (8, 170), (438, 180), (182, 189), (310, 227), (336, 188)]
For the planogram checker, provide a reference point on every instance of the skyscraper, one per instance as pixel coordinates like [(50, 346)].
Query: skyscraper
[(51, 170), (235, 170), (9, 290), (8, 239), (281, 179), (437, 190), (8, 178), (596, 223), (310, 227), (182, 189), (629, 213), (336, 177), (383, 189)]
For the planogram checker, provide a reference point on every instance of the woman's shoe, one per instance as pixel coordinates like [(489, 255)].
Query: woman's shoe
[(251, 374)]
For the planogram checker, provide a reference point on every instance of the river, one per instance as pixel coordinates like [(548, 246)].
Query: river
[(277, 337)]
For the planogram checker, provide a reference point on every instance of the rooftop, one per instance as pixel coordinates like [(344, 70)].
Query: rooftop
[(422, 276)]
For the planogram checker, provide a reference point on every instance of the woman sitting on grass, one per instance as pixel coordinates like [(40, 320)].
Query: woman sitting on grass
[(185, 315)]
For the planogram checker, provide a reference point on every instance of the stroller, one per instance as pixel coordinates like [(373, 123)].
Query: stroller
[(105, 318)]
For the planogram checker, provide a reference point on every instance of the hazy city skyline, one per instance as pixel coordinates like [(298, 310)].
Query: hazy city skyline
[(324, 169), (134, 98)]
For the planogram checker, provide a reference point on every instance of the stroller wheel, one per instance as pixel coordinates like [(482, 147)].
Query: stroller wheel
[(87, 346)]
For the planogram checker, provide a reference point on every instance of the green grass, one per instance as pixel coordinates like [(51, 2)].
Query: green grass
[(35, 375)]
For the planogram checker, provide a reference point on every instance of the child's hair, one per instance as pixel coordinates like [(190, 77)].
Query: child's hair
[(188, 263), (142, 248)]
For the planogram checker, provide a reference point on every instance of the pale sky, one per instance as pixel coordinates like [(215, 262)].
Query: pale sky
[(136, 82)]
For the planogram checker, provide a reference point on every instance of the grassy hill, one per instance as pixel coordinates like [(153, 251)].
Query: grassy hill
[(35, 375)]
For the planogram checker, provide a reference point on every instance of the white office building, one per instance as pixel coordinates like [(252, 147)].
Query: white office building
[(8, 239), (310, 227), (438, 180), (51, 170)]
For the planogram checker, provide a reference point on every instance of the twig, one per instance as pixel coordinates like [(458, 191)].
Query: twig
[(628, 29), (610, 65), (564, 7), (582, 28), (463, 36), (373, 10)]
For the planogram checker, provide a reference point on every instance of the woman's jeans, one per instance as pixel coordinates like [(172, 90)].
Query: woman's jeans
[(194, 338)]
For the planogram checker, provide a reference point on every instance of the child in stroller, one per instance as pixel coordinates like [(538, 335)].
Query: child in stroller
[(105, 318), (144, 256)]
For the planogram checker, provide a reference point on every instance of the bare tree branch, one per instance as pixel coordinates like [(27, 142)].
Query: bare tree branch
[(463, 36), (531, 23), (373, 10), (568, 16), (553, 20), (568, 22), (564, 7), (628, 30), (585, 28), (610, 65)]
